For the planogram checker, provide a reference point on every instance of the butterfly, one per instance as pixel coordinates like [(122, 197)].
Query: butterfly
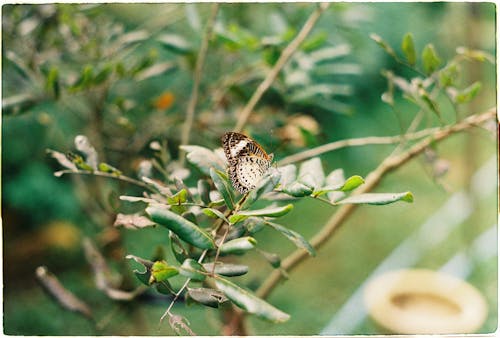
[(248, 161)]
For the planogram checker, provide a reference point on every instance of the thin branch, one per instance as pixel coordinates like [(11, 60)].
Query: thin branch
[(390, 163), (108, 175), (363, 141), (200, 61), (283, 59)]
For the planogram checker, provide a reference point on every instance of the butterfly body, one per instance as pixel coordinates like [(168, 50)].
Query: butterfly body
[(248, 161)]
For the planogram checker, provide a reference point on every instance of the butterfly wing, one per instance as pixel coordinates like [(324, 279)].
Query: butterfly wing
[(248, 162)]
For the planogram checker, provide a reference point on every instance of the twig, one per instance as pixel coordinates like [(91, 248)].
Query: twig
[(283, 59), (200, 61), (108, 175), (363, 141), (390, 163)]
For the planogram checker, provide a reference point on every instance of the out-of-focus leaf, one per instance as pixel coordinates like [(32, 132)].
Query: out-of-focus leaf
[(249, 302), (192, 16), (226, 269), (430, 59), (193, 270), (180, 325), (203, 158), (272, 258), (52, 82), (204, 191), (449, 74), (293, 236), (64, 297), (468, 93), (382, 43), (222, 184), (238, 246), (62, 159), (106, 168), (378, 199), (156, 69), (314, 42), (186, 230), (82, 144), (133, 221), (214, 213), (408, 47), (103, 74), (208, 297), (78, 161), (161, 271), (175, 43), (475, 54)]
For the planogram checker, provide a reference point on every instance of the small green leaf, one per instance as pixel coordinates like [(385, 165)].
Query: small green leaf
[(352, 183), (233, 219), (408, 47), (164, 288), (378, 199), (103, 74), (226, 269), (206, 296), (179, 198), (267, 212), (430, 103), (52, 82), (104, 167), (468, 93), (430, 59), (193, 270), (249, 302), (449, 74), (298, 189), (143, 276), (161, 271), (314, 42), (272, 258), (238, 246), (186, 230), (222, 184), (295, 237), (385, 46), (214, 213)]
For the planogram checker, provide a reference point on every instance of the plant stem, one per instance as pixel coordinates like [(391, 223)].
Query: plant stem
[(200, 61), (392, 162), (108, 175), (283, 59)]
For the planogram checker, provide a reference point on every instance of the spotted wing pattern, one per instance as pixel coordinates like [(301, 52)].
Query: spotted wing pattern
[(248, 162)]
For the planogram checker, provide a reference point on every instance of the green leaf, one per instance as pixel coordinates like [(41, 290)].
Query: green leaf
[(227, 269), (449, 74), (204, 191), (206, 296), (476, 54), (266, 212), (295, 237), (272, 258), (249, 302), (268, 182), (385, 46), (214, 213), (164, 288), (238, 246), (408, 47), (179, 198), (52, 82), (161, 271), (430, 103), (298, 189), (143, 276), (430, 59), (378, 199), (222, 184), (186, 230), (314, 42), (193, 270), (352, 183), (103, 74), (468, 93), (177, 248), (203, 158), (233, 219), (104, 167)]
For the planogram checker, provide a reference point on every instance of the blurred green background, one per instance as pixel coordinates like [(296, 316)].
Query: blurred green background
[(121, 74)]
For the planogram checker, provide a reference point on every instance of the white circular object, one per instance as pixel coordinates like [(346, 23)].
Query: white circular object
[(426, 302)]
